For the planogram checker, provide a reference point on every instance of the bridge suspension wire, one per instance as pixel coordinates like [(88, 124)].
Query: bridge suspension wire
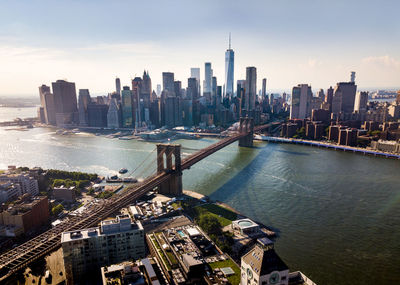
[(140, 164)]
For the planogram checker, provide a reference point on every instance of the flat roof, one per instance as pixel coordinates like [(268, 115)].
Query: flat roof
[(245, 223)]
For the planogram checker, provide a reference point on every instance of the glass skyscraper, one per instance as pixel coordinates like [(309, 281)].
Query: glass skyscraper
[(229, 70)]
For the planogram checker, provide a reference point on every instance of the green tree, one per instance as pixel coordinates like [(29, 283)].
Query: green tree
[(57, 209), (210, 224)]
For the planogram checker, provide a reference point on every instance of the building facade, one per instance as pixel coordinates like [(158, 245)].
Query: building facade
[(301, 102)]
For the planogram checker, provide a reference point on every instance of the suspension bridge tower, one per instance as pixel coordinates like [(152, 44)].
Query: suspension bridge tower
[(246, 126), (165, 152)]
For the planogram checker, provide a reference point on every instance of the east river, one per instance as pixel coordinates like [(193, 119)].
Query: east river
[(337, 213)]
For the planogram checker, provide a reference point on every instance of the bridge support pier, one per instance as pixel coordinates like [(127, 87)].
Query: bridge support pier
[(165, 152), (246, 126)]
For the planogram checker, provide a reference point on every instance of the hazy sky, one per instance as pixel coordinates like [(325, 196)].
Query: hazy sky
[(290, 42)]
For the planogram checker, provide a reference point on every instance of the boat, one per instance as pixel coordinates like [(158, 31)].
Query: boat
[(129, 180), (123, 170)]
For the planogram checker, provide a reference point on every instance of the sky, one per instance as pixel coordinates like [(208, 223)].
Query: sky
[(289, 41)]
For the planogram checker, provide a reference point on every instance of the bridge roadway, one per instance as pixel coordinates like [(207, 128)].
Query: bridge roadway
[(43, 244)]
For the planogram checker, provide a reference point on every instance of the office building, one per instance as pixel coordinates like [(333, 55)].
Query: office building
[(361, 102), (343, 98), (159, 90), (250, 90), (48, 105), (118, 86), (329, 98), (114, 115), (229, 70), (353, 77), (301, 102), (114, 241), (127, 109), (168, 82), (264, 88), (83, 102), (178, 88), (65, 103), (97, 115), (207, 77), (195, 73)]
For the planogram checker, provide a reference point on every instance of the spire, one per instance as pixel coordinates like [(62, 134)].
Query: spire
[(229, 40)]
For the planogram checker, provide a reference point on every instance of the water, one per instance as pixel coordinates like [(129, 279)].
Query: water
[(9, 114), (337, 213)]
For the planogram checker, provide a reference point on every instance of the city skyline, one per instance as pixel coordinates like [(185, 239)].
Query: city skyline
[(284, 47)]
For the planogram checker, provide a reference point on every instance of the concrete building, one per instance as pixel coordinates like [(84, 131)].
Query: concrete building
[(245, 227), (229, 71), (114, 115), (168, 82), (64, 194), (26, 214), (29, 185), (301, 102), (86, 250), (207, 77), (344, 97), (262, 265), (47, 103), (83, 101), (65, 103), (250, 91), (386, 146), (118, 86), (127, 108), (9, 191)]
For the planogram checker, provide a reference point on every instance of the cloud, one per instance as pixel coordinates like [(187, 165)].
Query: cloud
[(385, 61)]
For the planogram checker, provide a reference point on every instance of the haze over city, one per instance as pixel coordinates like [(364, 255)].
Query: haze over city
[(290, 42)]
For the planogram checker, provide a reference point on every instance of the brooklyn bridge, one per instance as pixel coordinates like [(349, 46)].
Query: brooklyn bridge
[(167, 180)]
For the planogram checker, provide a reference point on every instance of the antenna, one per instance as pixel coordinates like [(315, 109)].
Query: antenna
[(229, 40)]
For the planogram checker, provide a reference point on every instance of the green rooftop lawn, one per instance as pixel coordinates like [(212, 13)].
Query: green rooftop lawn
[(224, 215), (233, 279)]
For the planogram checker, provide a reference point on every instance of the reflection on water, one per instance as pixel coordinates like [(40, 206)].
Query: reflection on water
[(338, 213)]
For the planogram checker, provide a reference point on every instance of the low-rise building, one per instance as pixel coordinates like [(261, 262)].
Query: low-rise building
[(9, 191), (387, 146), (64, 194), (26, 213), (86, 250), (246, 227)]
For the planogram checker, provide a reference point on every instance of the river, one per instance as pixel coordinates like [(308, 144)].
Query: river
[(337, 213)]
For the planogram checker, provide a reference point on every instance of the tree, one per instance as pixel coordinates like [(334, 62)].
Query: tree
[(210, 224), (57, 209)]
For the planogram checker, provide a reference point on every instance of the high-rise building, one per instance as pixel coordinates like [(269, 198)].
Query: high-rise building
[(65, 102), (178, 88), (329, 97), (168, 82), (83, 101), (214, 91), (343, 97), (229, 70), (195, 73), (114, 115), (159, 90), (114, 241), (47, 102), (207, 77), (97, 114), (321, 94), (353, 76), (301, 102), (118, 86), (264, 87), (127, 110), (361, 102), (250, 90)]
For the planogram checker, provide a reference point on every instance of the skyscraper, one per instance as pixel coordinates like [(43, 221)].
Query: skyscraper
[(250, 90), (207, 77), (229, 70), (329, 97), (84, 100), (127, 112), (301, 102), (353, 76), (113, 115), (361, 102), (118, 86), (195, 73), (47, 102), (159, 89), (65, 102), (343, 97), (168, 82), (264, 87)]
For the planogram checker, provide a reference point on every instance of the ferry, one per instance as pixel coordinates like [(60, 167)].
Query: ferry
[(123, 171)]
